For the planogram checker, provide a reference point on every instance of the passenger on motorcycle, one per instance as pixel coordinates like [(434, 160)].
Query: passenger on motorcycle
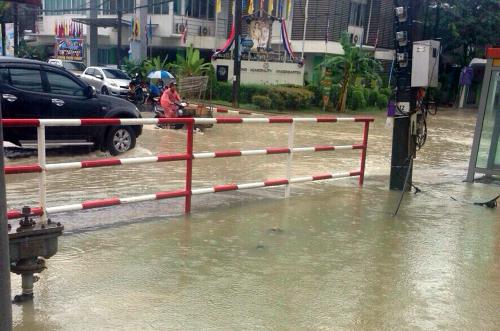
[(168, 100)]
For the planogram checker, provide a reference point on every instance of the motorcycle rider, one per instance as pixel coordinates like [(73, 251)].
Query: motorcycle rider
[(168, 100)]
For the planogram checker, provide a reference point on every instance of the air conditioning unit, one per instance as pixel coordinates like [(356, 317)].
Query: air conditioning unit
[(180, 28), (356, 38), (204, 31)]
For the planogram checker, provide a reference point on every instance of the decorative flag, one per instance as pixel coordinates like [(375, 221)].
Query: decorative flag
[(280, 8), (150, 31), (184, 33), (270, 7), (218, 6), (250, 7), (288, 8)]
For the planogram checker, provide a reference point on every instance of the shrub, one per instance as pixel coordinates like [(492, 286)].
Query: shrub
[(262, 101), (382, 101), (317, 99), (356, 99), (277, 100), (386, 91), (372, 97), (334, 94), (223, 91), (249, 90)]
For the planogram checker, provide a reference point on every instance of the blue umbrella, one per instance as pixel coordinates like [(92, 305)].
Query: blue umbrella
[(160, 74)]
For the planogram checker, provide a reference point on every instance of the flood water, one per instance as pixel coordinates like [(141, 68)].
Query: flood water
[(331, 257)]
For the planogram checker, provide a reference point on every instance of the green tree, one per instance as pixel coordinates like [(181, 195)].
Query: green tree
[(465, 27), (354, 68), (143, 68), (191, 64)]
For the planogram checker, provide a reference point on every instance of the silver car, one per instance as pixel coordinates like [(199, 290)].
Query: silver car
[(107, 81)]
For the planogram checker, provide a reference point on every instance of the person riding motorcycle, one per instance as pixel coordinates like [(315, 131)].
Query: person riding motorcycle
[(168, 100)]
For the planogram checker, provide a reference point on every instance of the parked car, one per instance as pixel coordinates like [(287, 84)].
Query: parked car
[(72, 66), (107, 81), (33, 89)]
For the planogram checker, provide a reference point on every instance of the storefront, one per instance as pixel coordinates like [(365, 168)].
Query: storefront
[(485, 156)]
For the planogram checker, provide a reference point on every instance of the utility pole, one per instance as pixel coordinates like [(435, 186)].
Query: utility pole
[(16, 28), (5, 298), (237, 56), (403, 140), (119, 34), (3, 38)]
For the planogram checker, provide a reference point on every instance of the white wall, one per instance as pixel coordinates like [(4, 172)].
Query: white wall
[(256, 72)]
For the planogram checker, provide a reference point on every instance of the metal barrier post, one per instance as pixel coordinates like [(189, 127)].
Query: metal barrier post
[(189, 166), (291, 134), (5, 294), (43, 174), (363, 153)]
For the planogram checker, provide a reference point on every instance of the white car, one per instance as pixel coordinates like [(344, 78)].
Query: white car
[(74, 67), (107, 81)]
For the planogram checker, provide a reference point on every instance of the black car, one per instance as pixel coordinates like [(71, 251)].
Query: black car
[(33, 89)]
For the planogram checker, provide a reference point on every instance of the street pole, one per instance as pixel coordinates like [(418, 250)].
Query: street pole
[(403, 142), (119, 34), (237, 55), (306, 14), (5, 298), (16, 29), (3, 38)]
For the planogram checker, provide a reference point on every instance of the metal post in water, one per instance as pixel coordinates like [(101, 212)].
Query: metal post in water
[(189, 166), (363, 153), (291, 134), (5, 299), (237, 55), (43, 174)]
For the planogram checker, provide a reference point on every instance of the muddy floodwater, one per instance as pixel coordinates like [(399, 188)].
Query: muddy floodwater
[(331, 257)]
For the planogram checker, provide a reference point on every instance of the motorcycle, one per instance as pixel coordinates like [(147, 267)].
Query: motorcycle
[(181, 111), (137, 90)]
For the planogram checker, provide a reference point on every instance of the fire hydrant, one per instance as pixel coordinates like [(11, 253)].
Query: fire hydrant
[(29, 245)]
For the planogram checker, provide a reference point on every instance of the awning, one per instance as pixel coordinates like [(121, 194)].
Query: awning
[(101, 22)]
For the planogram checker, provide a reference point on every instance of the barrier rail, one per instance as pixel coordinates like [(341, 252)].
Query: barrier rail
[(42, 167)]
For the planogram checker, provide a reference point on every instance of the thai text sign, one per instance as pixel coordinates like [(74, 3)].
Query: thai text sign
[(69, 49)]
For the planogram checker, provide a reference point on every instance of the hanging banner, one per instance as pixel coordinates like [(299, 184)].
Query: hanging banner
[(69, 49), (9, 40), (259, 32)]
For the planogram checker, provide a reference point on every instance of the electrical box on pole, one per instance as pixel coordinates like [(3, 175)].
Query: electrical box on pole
[(425, 64)]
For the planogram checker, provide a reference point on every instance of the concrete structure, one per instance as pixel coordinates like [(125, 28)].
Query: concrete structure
[(368, 21), (485, 154)]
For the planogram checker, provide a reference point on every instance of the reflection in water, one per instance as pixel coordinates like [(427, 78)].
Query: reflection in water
[(329, 258)]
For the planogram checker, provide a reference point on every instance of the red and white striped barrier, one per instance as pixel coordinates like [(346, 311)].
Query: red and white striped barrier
[(231, 111), (33, 168), (90, 204), (215, 120), (42, 167)]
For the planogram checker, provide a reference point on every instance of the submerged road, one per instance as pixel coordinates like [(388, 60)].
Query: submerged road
[(331, 257)]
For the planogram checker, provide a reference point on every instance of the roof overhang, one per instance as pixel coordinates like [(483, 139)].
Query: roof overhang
[(101, 22)]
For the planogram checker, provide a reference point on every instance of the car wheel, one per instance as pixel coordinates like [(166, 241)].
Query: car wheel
[(104, 90), (120, 139)]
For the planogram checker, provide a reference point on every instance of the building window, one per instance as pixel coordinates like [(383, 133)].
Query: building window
[(61, 7), (202, 9), (110, 7), (158, 7), (357, 13)]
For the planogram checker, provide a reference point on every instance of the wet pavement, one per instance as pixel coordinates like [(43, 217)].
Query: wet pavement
[(332, 257)]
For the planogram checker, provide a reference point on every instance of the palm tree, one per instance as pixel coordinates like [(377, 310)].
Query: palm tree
[(192, 64), (352, 67)]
